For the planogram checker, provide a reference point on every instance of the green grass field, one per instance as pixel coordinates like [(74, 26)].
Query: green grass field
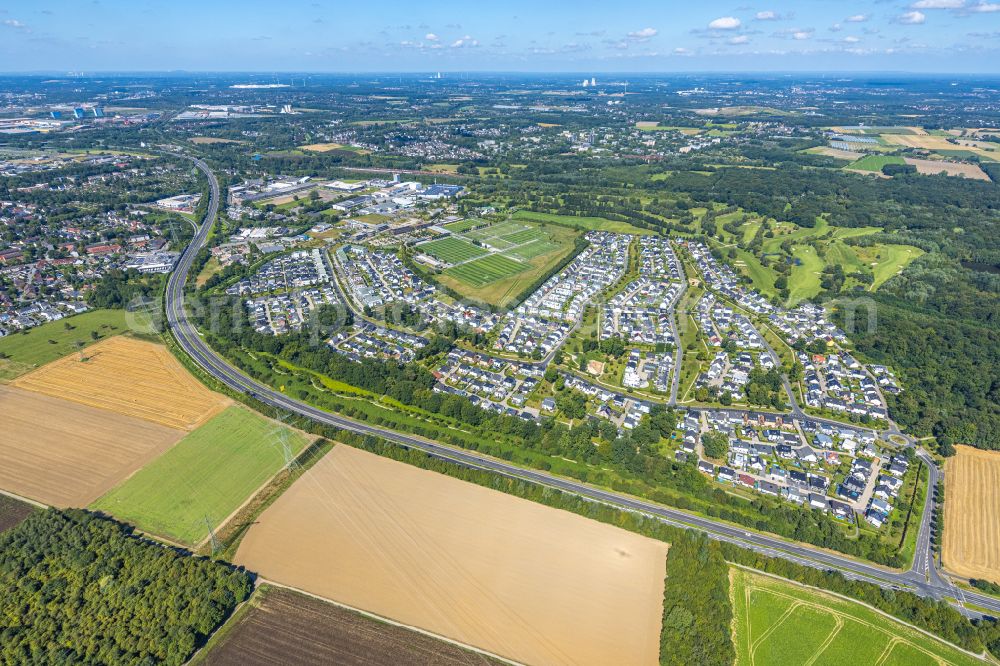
[(887, 260), (463, 225), (587, 223), (779, 622), (40, 345), (526, 250), (525, 235), (209, 473), (451, 250), (874, 162), (482, 272), (804, 280), (532, 250), (787, 231), (501, 230), (763, 277)]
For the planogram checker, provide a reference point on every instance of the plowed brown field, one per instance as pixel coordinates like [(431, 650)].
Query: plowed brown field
[(67, 454), (513, 577), (972, 514), (130, 377), (285, 627)]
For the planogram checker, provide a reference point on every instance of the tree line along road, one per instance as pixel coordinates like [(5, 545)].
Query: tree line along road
[(922, 578)]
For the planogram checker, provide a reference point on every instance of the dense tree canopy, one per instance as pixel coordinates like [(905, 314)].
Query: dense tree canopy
[(82, 589)]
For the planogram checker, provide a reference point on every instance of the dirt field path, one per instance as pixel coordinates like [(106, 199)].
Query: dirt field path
[(535, 584)]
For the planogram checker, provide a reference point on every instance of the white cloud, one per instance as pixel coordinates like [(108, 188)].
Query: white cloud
[(681, 51), (767, 16), (14, 23), (725, 23), (938, 4), (912, 18), (464, 43), (857, 18), (835, 28), (802, 34), (642, 35), (985, 7), (740, 39), (431, 37), (851, 39)]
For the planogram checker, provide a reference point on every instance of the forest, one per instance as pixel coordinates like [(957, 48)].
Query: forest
[(697, 612), (80, 588)]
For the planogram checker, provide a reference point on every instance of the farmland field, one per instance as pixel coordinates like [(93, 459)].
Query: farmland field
[(67, 454), (130, 377), (482, 272), (509, 576), (43, 344), (874, 162), (12, 512), (282, 626), (451, 250), (938, 144), (779, 622), (209, 473), (972, 504), (950, 168)]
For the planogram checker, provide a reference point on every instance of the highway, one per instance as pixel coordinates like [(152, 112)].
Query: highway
[(922, 578)]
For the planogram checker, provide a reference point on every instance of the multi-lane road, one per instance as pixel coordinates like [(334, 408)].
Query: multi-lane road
[(922, 578)]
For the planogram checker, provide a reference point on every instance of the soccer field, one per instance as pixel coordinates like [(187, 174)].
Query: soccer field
[(532, 250), (486, 270), (451, 250), (779, 622), (207, 475), (525, 236)]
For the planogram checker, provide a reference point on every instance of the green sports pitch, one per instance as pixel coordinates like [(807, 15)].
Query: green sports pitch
[(451, 250), (483, 271)]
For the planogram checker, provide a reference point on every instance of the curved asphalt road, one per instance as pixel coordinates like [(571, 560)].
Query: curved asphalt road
[(191, 342)]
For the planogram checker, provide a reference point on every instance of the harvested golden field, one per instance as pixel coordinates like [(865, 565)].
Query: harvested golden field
[(68, 454), (950, 168), (521, 580), (321, 147), (972, 504), (130, 377), (930, 142)]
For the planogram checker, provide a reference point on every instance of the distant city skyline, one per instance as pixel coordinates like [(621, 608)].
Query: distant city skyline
[(944, 36)]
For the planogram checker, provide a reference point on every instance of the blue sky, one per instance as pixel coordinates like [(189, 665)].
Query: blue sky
[(514, 35)]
